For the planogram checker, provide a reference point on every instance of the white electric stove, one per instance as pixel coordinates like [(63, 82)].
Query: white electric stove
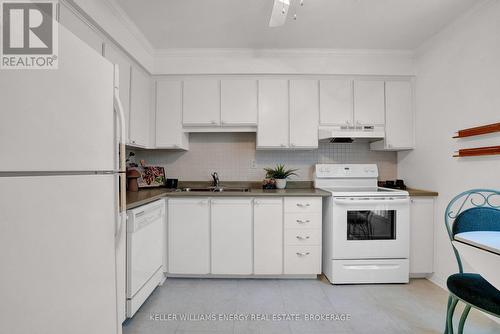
[(365, 227)]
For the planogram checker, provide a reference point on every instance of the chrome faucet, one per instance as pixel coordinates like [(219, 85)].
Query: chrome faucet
[(216, 183)]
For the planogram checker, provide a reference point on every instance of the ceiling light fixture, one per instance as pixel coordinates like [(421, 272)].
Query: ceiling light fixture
[(280, 11)]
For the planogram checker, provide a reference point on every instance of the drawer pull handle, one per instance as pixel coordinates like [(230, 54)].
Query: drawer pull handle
[(301, 205), (303, 221), (302, 254), (303, 238)]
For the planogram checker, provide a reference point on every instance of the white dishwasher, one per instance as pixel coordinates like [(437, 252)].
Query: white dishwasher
[(145, 228)]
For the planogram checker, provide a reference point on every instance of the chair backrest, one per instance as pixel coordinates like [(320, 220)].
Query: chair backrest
[(472, 210)]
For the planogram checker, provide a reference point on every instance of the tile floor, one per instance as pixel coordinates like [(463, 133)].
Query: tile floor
[(418, 307)]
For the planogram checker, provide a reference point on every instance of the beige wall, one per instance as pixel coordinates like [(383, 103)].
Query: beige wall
[(234, 157)]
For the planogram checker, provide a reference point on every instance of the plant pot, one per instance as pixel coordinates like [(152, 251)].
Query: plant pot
[(281, 183)]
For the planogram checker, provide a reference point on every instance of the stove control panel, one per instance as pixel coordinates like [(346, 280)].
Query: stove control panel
[(346, 171)]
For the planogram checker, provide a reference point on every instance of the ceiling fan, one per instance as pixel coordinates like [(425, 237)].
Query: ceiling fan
[(280, 12)]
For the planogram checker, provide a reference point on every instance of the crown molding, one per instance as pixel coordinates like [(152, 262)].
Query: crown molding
[(121, 15), (247, 52)]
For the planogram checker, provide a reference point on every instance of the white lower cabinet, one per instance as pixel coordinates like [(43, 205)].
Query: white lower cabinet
[(421, 235), (268, 236), (303, 235), (244, 236), (188, 236), (231, 236)]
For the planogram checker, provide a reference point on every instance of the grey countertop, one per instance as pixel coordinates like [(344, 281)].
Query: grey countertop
[(145, 196), (298, 189)]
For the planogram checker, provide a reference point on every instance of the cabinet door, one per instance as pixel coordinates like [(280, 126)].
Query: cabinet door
[(169, 133), (273, 128), (140, 108), (369, 102), (75, 23), (188, 236), (118, 58), (268, 236), (232, 236), (201, 102), (336, 102), (238, 102), (399, 114), (421, 235), (304, 113)]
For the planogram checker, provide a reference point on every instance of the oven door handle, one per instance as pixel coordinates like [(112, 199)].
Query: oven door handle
[(372, 201)]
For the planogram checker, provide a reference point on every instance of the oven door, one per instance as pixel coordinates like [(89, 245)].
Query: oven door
[(371, 228)]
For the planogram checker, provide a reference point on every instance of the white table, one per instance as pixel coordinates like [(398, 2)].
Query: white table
[(481, 250)]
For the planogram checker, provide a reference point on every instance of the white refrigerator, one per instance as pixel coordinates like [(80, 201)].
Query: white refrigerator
[(61, 196)]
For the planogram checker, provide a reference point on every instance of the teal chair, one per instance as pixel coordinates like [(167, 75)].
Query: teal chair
[(473, 210)]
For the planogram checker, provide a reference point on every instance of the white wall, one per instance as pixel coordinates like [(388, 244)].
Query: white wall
[(457, 86), (234, 156)]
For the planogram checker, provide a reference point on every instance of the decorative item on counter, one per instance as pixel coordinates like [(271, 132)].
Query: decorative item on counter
[(280, 174), (131, 160), (269, 184), (149, 176), (132, 176)]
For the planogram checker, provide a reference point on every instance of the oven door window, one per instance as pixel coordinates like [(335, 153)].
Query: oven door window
[(371, 225)]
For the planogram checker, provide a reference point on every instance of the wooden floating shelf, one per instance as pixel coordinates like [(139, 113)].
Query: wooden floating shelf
[(474, 152), (479, 130)]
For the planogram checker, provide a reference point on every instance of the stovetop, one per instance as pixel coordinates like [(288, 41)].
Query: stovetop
[(364, 191)]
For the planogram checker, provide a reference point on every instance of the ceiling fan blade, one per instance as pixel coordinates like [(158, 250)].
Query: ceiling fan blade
[(280, 11)]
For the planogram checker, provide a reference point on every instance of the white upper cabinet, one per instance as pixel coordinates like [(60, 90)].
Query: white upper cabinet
[(140, 108), (304, 113), (231, 236), (336, 102), (399, 122), (169, 132), (201, 102), (189, 236), (75, 23), (268, 236), (124, 66), (273, 128), (238, 102), (369, 102)]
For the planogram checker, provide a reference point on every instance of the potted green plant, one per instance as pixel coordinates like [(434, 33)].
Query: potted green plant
[(280, 174)]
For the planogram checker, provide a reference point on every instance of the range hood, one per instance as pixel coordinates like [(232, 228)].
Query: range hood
[(348, 134)]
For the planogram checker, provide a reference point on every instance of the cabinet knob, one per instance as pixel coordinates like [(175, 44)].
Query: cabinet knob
[(256, 202), (302, 238), (302, 205), (292, 145), (213, 122), (302, 254), (303, 221)]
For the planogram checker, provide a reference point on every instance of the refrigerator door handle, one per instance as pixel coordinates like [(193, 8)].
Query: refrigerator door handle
[(122, 216)]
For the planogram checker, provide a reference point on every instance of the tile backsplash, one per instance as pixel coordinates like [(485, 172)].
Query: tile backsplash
[(234, 157)]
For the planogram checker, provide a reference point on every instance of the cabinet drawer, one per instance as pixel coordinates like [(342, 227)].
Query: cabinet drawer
[(303, 204), (303, 220), (302, 260), (303, 237)]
